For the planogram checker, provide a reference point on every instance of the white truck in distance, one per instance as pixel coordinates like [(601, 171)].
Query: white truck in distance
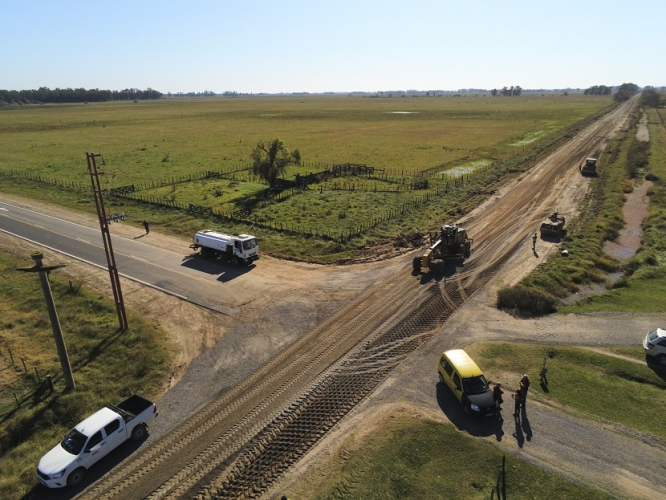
[(94, 438), (235, 249)]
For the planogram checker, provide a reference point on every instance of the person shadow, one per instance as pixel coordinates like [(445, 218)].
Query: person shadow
[(140, 236), (498, 424), (520, 438), (525, 425)]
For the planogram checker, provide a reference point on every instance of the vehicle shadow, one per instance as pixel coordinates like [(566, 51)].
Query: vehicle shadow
[(96, 472), (475, 426), (439, 271), (215, 267), (554, 238), (653, 365)]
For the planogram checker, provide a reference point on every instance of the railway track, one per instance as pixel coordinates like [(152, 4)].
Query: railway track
[(239, 444)]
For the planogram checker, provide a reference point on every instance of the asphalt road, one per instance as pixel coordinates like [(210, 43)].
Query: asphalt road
[(185, 276)]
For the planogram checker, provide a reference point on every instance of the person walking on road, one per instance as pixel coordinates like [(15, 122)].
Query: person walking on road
[(534, 240), (517, 397), (146, 227), (524, 385)]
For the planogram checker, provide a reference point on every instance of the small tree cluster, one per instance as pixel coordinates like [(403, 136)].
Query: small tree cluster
[(508, 91), (625, 92), (598, 90), (652, 99)]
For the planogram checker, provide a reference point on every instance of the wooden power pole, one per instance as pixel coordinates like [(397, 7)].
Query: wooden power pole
[(43, 272), (106, 236)]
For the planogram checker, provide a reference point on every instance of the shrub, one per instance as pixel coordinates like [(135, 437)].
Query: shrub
[(527, 300)]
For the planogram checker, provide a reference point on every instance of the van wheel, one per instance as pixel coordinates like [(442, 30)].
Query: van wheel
[(234, 261), (662, 359), (441, 379), (76, 477), (139, 432)]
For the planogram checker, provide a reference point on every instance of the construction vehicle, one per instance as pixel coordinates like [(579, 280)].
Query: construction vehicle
[(450, 243), (553, 226), (235, 249), (588, 167)]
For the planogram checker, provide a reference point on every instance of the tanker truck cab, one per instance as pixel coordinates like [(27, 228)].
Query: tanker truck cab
[(235, 249)]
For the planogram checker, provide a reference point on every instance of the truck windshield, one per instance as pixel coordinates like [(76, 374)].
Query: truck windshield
[(74, 442), (249, 244), (475, 385)]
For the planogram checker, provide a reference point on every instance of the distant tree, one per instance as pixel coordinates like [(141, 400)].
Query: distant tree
[(650, 97), (516, 90), (632, 88), (271, 159), (493, 92), (622, 95), (598, 90)]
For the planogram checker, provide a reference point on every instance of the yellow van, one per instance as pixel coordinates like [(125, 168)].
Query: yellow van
[(465, 379)]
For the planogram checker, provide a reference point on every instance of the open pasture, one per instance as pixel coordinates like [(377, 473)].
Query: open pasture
[(165, 148), (147, 140)]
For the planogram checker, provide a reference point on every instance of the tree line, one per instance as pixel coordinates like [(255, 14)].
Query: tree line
[(507, 91), (46, 95)]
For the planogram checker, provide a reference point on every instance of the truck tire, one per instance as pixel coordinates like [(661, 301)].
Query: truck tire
[(206, 253), (139, 432), (417, 264), (76, 477), (235, 262)]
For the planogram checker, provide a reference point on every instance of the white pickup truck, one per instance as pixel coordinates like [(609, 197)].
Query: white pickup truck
[(94, 438)]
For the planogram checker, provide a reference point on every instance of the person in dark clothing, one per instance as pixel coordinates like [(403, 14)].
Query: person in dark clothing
[(517, 397), (524, 385), (497, 396), (534, 240), (146, 227)]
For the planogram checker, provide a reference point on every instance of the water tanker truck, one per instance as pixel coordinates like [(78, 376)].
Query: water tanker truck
[(235, 249)]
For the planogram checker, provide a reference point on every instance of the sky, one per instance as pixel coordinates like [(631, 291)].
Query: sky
[(335, 46)]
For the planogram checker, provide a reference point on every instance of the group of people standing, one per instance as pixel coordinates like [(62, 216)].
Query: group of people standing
[(519, 397)]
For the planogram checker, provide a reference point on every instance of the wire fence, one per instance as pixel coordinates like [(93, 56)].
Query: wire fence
[(137, 193), (22, 381)]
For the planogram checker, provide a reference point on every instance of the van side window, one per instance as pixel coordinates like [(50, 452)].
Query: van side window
[(447, 367), (94, 440), (112, 427), (457, 382)]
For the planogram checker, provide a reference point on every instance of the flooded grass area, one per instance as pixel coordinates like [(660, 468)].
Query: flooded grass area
[(529, 138), (465, 168)]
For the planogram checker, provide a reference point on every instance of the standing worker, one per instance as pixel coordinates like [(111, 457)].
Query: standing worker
[(524, 385), (534, 240), (145, 225), (517, 397), (497, 396)]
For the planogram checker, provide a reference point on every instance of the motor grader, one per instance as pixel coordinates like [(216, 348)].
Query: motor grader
[(451, 242)]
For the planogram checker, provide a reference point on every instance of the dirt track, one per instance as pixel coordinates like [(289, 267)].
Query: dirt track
[(251, 433)]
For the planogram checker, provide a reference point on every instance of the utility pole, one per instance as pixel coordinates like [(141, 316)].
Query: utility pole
[(106, 236), (43, 272)]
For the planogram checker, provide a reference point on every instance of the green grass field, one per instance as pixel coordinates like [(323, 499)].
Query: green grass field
[(206, 134), (146, 143)]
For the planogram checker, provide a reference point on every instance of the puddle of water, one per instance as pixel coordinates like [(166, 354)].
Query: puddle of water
[(528, 139), (634, 211), (465, 168)]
